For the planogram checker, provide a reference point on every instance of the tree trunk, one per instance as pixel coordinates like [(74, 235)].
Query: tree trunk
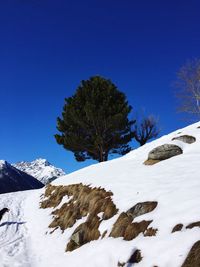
[(101, 158), (106, 156), (103, 155)]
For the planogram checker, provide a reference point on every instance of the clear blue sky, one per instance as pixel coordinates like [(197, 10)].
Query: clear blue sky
[(48, 46)]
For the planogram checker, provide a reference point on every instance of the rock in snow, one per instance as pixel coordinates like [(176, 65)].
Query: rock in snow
[(162, 152), (12, 179), (41, 169), (116, 213), (185, 138)]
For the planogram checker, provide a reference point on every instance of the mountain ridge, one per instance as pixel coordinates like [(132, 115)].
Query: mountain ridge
[(41, 169), (12, 179)]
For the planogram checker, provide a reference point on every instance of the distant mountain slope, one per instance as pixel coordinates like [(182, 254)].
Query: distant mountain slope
[(41, 169), (138, 210), (12, 179)]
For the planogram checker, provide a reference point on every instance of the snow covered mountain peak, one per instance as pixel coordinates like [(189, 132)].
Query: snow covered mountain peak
[(41, 162), (12, 179), (41, 169), (3, 163)]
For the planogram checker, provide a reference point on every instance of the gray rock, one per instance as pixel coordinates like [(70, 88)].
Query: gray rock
[(77, 237), (141, 208), (185, 138), (165, 151)]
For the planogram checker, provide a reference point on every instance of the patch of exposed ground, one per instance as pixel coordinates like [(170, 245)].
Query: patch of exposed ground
[(96, 205), (193, 258), (136, 257), (128, 229), (192, 225), (177, 227), (83, 201), (151, 162)]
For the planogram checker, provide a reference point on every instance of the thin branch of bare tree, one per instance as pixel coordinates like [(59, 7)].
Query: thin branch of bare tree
[(146, 129), (188, 88)]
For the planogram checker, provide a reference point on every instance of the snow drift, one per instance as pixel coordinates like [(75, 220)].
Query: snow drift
[(152, 218)]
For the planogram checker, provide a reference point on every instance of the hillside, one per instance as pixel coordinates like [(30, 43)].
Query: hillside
[(136, 210), (41, 169), (12, 179)]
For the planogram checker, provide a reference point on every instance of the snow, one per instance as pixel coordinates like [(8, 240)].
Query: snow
[(40, 169), (12, 179), (3, 163), (25, 239), (14, 239)]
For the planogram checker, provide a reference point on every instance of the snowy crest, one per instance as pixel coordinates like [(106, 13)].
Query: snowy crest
[(41, 169)]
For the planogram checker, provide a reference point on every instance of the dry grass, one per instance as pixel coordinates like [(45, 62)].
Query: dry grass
[(177, 227), (84, 201), (84, 233), (151, 161), (124, 227), (192, 225), (193, 258), (150, 232)]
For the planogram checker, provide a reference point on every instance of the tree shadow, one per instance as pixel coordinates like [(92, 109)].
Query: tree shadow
[(10, 223)]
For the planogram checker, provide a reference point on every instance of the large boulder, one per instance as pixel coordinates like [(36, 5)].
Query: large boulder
[(163, 152), (185, 138)]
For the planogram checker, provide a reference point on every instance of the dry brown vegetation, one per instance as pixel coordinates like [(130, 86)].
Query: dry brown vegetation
[(177, 227), (151, 161), (124, 227), (150, 231), (193, 258), (84, 201), (192, 225), (84, 233)]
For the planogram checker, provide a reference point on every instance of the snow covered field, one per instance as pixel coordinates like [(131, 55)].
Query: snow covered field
[(25, 238), (14, 235)]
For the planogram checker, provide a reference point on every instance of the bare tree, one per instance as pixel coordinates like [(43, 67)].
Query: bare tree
[(188, 84), (146, 129)]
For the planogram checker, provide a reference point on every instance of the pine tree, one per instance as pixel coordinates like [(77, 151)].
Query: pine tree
[(95, 121)]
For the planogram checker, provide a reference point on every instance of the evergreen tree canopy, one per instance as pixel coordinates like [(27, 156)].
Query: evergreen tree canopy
[(95, 121)]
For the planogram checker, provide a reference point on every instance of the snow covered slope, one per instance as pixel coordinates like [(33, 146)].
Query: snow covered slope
[(41, 169), (12, 179), (174, 184)]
